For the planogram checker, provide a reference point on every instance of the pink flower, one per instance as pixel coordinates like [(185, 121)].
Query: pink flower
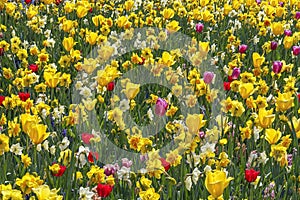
[(243, 48), (297, 15), (161, 107), (208, 77), (86, 137), (199, 27), (288, 32), (126, 163), (277, 66), (235, 73), (296, 50), (274, 45)]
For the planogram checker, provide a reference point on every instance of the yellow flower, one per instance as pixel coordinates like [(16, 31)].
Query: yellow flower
[(68, 43), (173, 26), (144, 183), (11, 194), (26, 160), (246, 89), (28, 182), (131, 90), (265, 117), (296, 124), (4, 144), (128, 5), (67, 25), (149, 194), (173, 158), (277, 28), (284, 101), (237, 108), (216, 182), (65, 157), (195, 122), (96, 174), (81, 11), (278, 152), (257, 59), (92, 37), (288, 42), (10, 8), (43, 192), (168, 13), (32, 11), (52, 79), (272, 135), (37, 133)]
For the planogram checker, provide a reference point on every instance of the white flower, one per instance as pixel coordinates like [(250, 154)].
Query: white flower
[(196, 173), (85, 92), (64, 144), (39, 147), (123, 173), (46, 145), (52, 149), (150, 114), (208, 148), (16, 149), (188, 183), (124, 105), (207, 168), (85, 193)]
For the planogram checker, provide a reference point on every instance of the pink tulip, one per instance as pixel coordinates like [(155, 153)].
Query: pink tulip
[(296, 50), (277, 66), (161, 107), (235, 73), (243, 48), (199, 27), (208, 77)]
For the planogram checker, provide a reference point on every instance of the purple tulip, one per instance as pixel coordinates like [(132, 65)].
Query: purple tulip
[(243, 48), (126, 163), (161, 107), (208, 77), (281, 4), (235, 73), (297, 15), (296, 50), (277, 66), (110, 169), (274, 45), (288, 32), (199, 27)]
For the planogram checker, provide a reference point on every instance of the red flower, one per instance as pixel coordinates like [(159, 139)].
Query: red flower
[(251, 175), (2, 98), (27, 1), (86, 137), (110, 86), (57, 2), (230, 79), (143, 61), (226, 86), (93, 155), (1, 51), (104, 190), (165, 164), (61, 170), (24, 96), (297, 95), (91, 10), (33, 67)]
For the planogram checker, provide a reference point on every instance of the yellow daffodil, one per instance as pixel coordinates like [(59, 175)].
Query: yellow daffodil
[(43, 192), (4, 144)]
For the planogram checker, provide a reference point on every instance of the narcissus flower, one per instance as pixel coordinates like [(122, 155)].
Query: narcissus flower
[(216, 182), (149, 194), (4, 144), (251, 175)]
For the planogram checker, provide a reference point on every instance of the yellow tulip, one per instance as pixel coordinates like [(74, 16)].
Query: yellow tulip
[(296, 124), (131, 90), (52, 79), (265, 117), (67, 25), (28, 121), (216, 182), (128, 5), (92, 37), (277, 28), (272, 135), (4, 144), (173, 26), (37, 133), (246, 89), (81, 11), (257, 59), (168, 13), (68, 43), (195, 122), (284, 101), (288, 42)]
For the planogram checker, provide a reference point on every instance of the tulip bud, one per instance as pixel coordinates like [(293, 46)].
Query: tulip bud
[(288, 32), (243, 48), (110, 86), (161, 107), (274, 45), (199, 27), (277, 66), (208, 77), (296, 50), (297, 15), (236, 72), (251, 175)]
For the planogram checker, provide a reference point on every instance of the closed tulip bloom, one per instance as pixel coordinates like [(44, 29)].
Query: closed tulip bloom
[(246, 90), (284, 101), (277, 66), (296, 50), (208, 77), (199, 27), (216, 182), (195, 122), (131, 90), (68, 43), (236, 73), (251, 175), (288, 32), (265, 117), (161, 107), (52, 79), (277, 28), (274, 45), (243, 48), (38, 134), (297, 15)]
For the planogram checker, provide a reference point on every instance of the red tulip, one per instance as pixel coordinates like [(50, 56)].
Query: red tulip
[(165, 164), (104, 190), (86, 137), (33, 67), (24, 96), (27, 1), (93, 155), (2, 98), (251, 175), (297, 95), (1, 51), (60, 172), (110, 86), (226, 86)]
